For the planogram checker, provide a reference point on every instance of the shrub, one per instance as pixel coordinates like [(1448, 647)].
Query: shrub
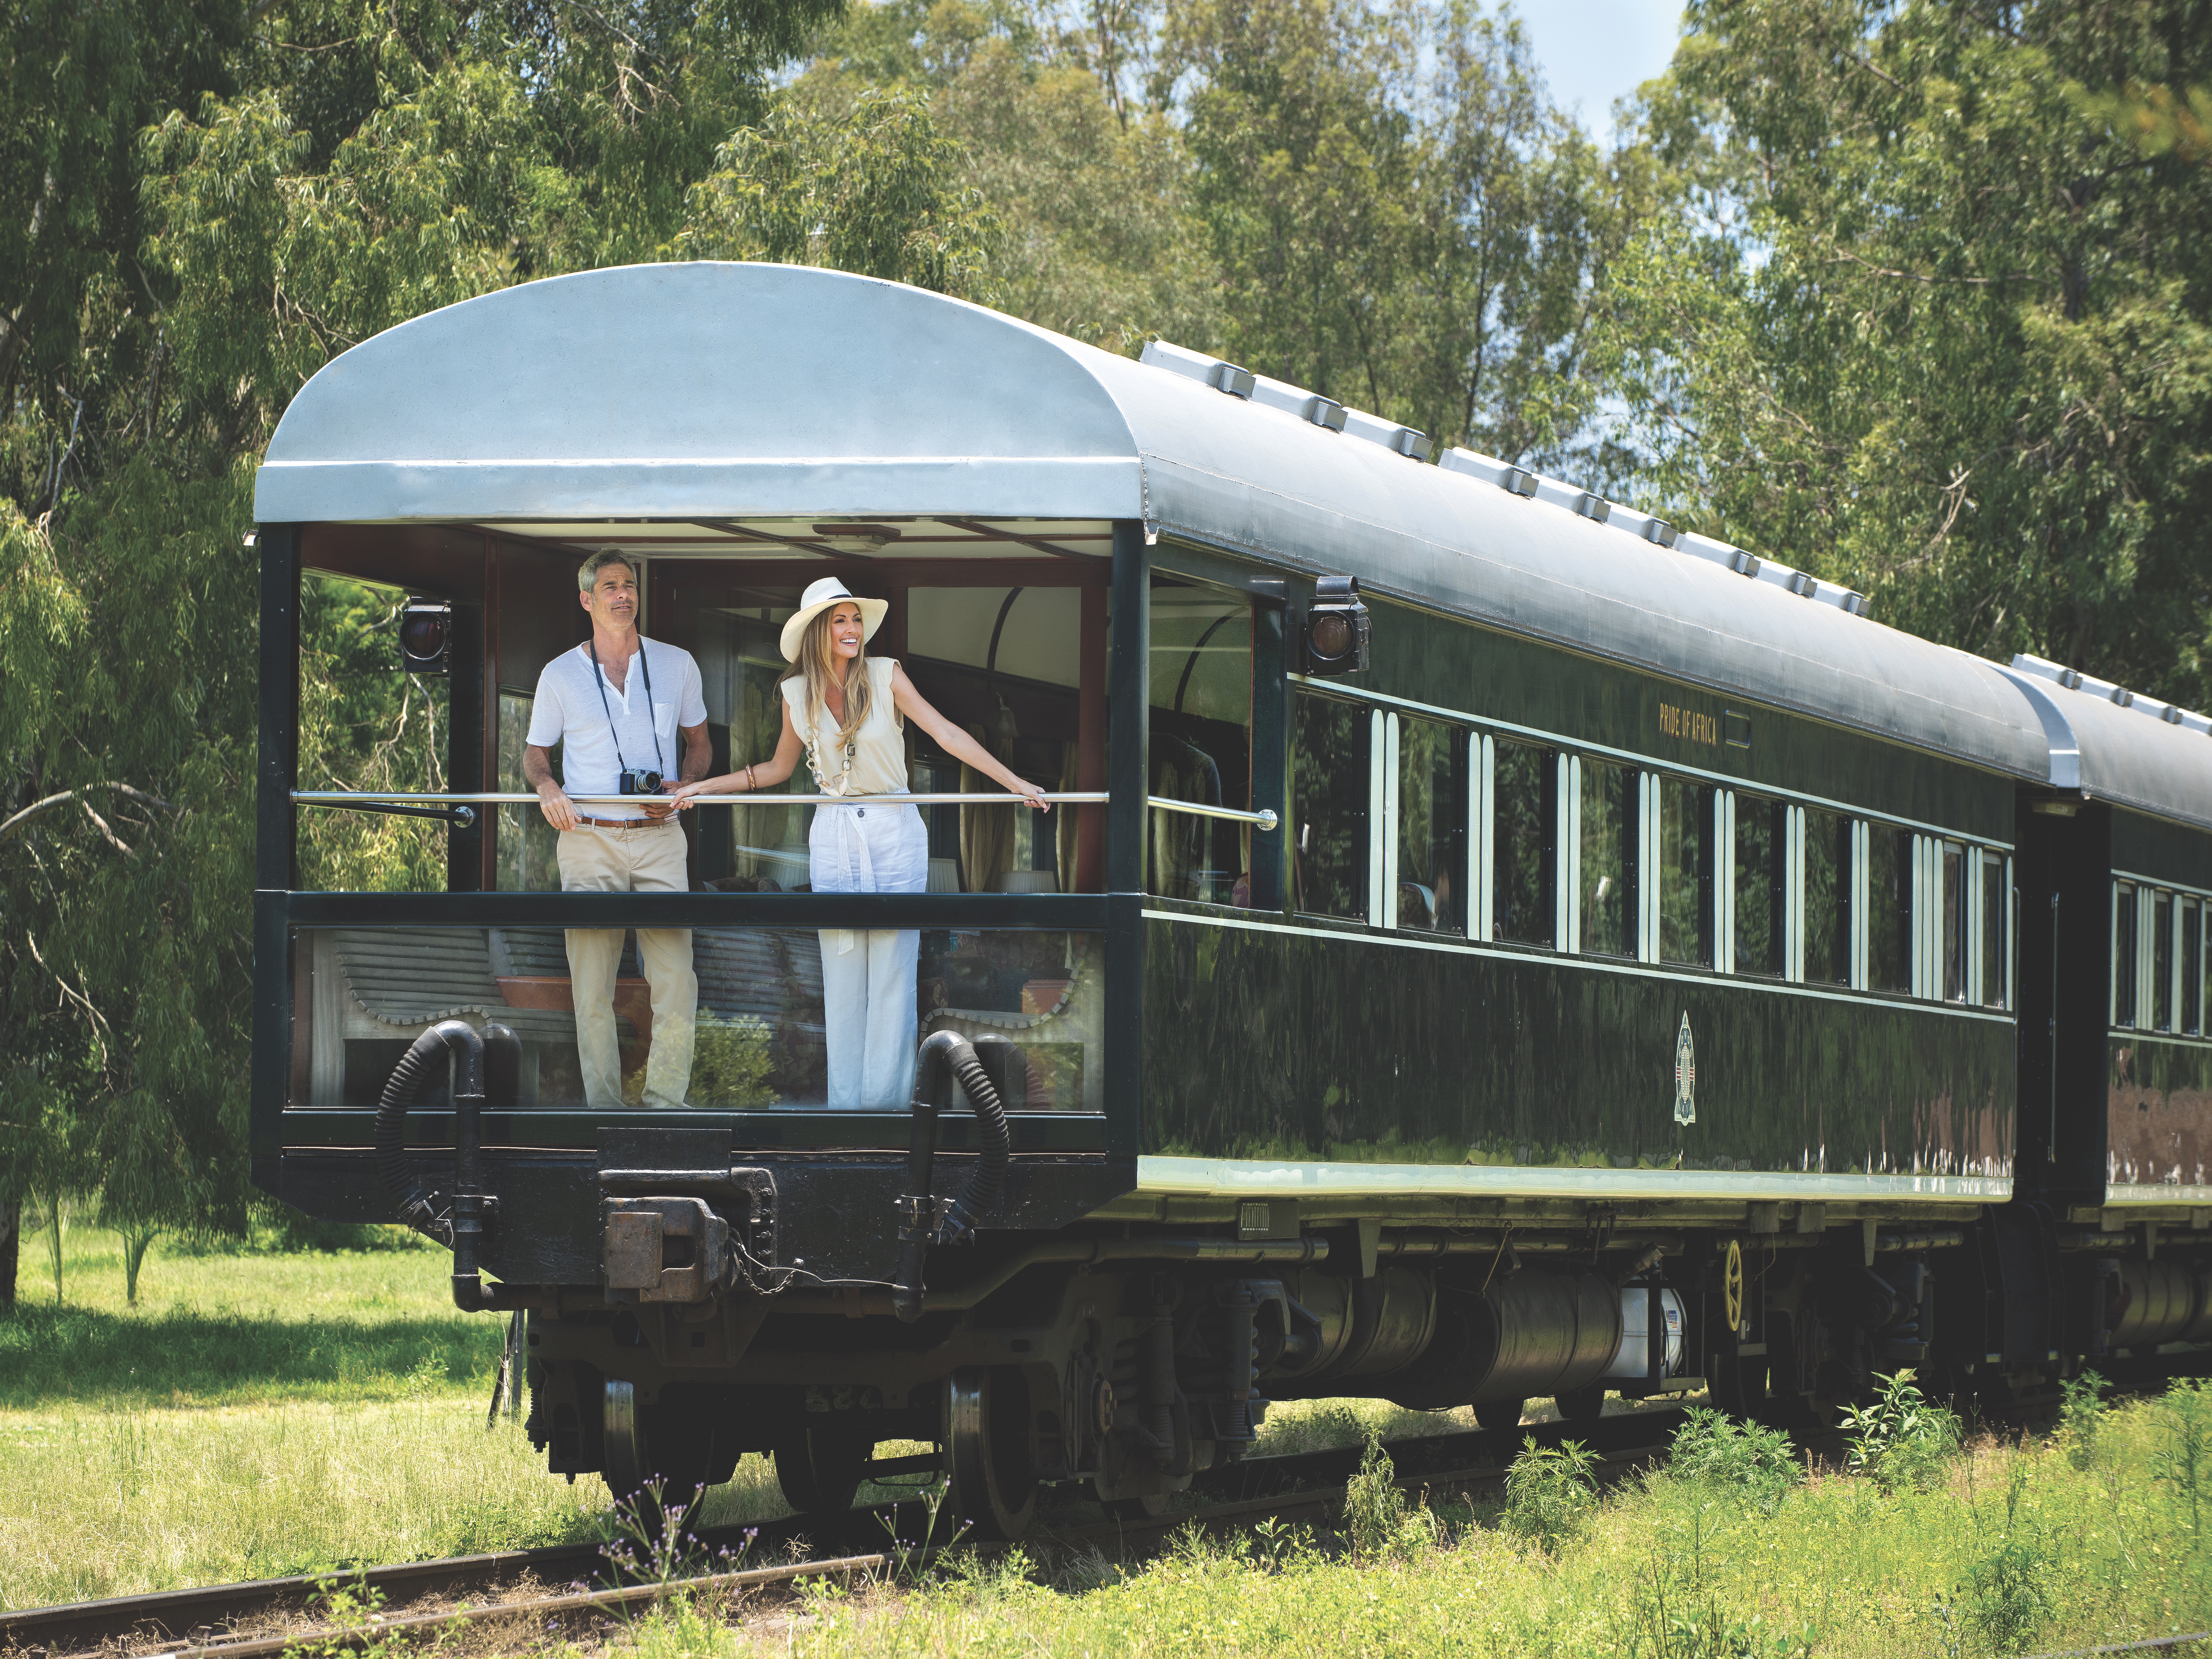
[(1902, 1441), (2081, 1414), (1550, 1494), (1709, 1449), (1374, 1508), (2183, 1463)]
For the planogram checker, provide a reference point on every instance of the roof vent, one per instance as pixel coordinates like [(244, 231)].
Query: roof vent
[(1719, 553), (1657, 532), (2122, 695), (1402, 439), (1802, 586), (1574, 499), (1854, 603), (2173, 716), (1514, 480), (1297, 400), (1221, 375)]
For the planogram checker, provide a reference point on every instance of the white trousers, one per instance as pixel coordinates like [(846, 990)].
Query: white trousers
[(641, 861), (868, 1009)]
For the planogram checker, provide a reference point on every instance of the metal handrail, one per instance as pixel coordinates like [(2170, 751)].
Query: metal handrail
[(1263, 819)]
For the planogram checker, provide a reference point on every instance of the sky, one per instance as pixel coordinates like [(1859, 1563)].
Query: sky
[(1596, 50)]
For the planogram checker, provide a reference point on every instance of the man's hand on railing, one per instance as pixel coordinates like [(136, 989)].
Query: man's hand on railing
[(553, 801)]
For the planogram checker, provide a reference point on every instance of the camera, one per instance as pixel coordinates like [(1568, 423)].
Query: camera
[(633, 781)]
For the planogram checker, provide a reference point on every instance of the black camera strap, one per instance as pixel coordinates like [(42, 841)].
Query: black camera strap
[(599, 680)]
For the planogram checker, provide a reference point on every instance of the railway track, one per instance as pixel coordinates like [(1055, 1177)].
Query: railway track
[(572, 1581)]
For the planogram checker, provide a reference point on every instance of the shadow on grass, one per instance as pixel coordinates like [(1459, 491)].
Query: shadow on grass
[(186, 1356)]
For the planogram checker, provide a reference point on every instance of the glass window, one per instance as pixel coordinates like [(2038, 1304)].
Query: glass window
[(1328, 806), (1951, 906), (2192, 966), (1889, 908), (1996, 908), (1760, 837), (1608, 860), (1431, 826), (529, 847), (2124, 953), (1201, 738), (2161, 962), (1523, 783), (758, 1033), (1827, 898), (1686, 872)]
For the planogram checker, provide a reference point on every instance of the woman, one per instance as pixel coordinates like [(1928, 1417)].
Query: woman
[(847, 711)]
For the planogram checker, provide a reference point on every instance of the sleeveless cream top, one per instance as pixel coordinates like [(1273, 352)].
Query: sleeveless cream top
[(874, 762)]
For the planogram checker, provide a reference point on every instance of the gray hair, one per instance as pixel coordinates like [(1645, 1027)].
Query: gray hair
[(588, 572)]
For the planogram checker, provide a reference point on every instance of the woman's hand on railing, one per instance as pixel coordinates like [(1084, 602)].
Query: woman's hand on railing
[(1030, 793)]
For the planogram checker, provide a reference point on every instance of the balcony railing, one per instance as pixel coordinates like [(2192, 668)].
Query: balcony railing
[(455, 805)]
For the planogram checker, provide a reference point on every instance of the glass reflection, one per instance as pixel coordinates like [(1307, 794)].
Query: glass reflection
[(754, 1031)]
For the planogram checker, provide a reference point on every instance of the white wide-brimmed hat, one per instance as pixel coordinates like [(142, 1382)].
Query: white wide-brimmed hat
[(818, 598)]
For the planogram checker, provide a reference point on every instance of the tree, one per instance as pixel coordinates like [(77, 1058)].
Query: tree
[(1924, 316)]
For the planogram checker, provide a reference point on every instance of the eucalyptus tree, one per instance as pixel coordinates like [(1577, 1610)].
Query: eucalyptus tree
[(1930, 311)]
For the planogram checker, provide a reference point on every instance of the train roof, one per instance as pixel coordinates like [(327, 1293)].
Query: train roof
[(719, 394)]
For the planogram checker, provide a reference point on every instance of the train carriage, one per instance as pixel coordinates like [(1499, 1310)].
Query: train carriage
[(1487, 944)]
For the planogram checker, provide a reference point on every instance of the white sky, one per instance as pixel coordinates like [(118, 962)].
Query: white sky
[(1596, 50)]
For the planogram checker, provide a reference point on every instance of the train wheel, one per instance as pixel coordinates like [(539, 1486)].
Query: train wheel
[(647, 1452), (1582, 1404), (986, 1450), (820, 1469), (1500, 1414)]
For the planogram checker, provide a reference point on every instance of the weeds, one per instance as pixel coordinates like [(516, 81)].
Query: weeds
[(2081, 1415), (1550, 1493), (1374, 1508), (2183, 1461), (1903, 1441), (2007, 1597), (907, 1559), (1711, 1451)]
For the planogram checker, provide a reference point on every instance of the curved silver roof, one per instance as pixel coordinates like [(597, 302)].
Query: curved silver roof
[(728, 392)]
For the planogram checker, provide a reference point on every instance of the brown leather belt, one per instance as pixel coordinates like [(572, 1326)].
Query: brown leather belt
[(625, 823)]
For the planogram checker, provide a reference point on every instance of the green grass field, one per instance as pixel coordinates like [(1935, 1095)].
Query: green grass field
[(264, 1413)]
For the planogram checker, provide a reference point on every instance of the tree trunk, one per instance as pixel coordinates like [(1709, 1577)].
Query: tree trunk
[(136, 1240), (11, 1233)]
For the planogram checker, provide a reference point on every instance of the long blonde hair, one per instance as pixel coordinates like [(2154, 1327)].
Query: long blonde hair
[(817, 665)]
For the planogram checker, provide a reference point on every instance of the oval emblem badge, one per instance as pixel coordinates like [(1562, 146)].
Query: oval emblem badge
[(1686, 1075)]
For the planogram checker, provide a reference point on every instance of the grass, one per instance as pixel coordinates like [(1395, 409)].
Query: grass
[(2013, 1550), (234, 1328), (261, 1414)]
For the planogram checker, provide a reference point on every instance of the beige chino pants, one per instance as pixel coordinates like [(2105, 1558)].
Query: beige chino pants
[(646, 860)]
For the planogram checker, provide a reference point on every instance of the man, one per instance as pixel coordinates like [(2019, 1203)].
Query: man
[(620, 703)]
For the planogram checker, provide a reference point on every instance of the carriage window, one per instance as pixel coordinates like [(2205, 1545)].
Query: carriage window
[(1685, 871), (1329, 790), (1522, 790), (1951, 905), (1827, 898), (1607, 859), (1759, 839), (529, 847), (2161, 962), (1431, 826), (1996, 906), (1201, 741), (2124, 953), (1889, 908), (2192, 966)]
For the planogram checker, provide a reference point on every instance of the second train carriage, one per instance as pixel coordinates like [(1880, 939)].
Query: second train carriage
[(1631, 968)]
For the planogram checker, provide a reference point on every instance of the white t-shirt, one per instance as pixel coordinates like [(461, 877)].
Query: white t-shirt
[(567, 712)]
